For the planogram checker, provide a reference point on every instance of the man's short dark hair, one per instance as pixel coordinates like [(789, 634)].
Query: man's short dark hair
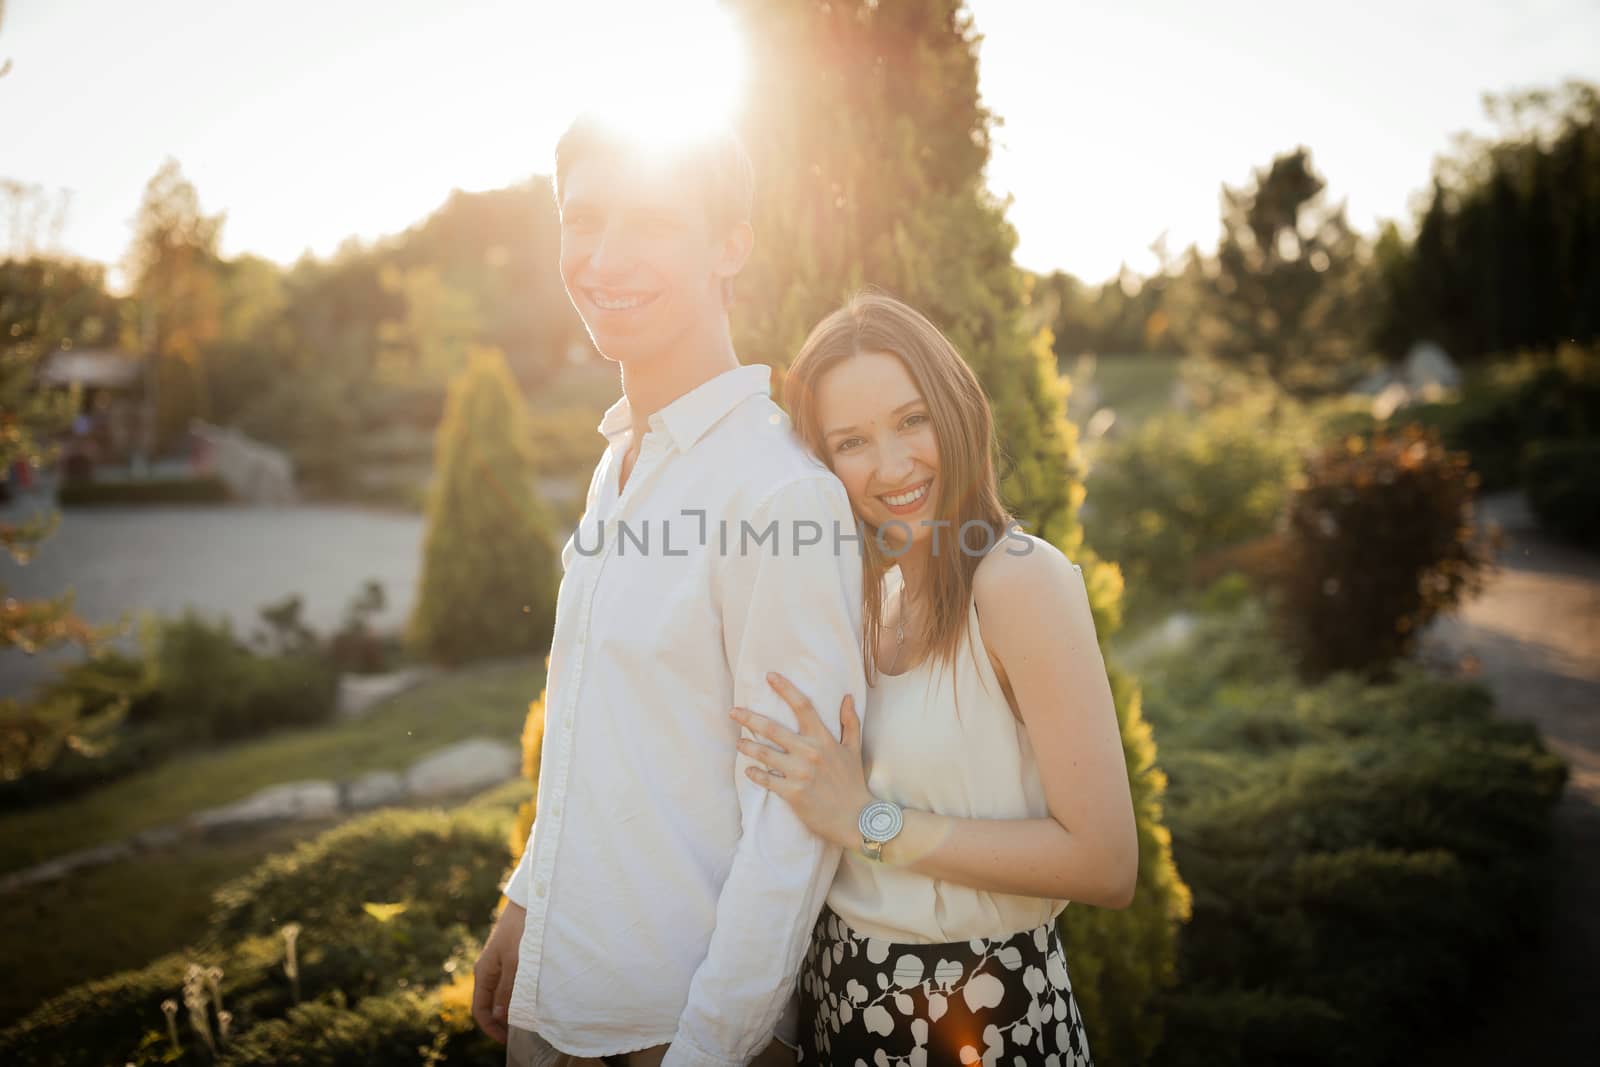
[(714, 167)]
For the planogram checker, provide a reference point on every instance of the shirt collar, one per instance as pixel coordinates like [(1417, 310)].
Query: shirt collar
[(688, 418)]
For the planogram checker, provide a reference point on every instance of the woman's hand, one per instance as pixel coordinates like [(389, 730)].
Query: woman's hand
[(822, 779)]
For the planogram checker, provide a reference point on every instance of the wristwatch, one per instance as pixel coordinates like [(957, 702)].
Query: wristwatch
[(880, 821)]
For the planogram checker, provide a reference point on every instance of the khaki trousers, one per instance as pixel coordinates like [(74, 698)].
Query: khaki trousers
[(524, 1048)]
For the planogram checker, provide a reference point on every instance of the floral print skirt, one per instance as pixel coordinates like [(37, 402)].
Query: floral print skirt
[(866, 1002)]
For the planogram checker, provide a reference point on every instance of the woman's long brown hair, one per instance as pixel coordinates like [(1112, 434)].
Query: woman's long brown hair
[(964, 428)]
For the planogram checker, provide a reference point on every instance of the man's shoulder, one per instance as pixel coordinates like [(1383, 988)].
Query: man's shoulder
[(760, 450)]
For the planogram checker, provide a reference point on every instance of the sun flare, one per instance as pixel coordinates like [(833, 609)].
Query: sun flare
[(659, 72)]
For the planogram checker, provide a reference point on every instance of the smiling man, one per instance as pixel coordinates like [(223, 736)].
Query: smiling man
[(663, 902)]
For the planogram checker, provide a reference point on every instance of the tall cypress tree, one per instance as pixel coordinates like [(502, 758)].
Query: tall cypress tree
[(489, 567), (1504, 257), (869, 143)]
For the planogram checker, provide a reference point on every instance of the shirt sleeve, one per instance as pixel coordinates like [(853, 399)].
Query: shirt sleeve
[(793, 608), (516, 886)]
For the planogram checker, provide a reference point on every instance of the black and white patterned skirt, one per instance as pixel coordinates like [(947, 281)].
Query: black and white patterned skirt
[(866, 1002)]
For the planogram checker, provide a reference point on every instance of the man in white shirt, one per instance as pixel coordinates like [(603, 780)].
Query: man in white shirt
[(664, 900)]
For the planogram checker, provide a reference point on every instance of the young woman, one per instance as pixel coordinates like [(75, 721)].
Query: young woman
[(988, 786)]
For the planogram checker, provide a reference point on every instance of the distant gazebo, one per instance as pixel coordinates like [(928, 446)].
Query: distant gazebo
[(110, 407)]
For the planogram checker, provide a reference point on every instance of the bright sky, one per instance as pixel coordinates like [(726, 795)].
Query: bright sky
[(307, 122)]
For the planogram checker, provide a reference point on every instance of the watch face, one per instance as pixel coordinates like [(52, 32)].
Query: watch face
[(881, 820)]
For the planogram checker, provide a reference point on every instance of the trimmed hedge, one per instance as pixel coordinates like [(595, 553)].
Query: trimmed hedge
[(446, 865), (405, 1027), (204, 490), (1360, 855), (442, 869), (1564, 488)]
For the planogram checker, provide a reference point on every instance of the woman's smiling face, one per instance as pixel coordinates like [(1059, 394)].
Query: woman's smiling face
[(878, 436)]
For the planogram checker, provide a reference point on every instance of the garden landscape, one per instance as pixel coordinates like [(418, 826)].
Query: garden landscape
[(283, 546)]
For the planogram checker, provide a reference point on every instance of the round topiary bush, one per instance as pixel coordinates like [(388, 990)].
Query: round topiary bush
[(1379, 541)]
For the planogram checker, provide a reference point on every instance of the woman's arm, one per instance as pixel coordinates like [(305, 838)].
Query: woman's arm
[(1036, 619), (1028, 857), (1037, 622)]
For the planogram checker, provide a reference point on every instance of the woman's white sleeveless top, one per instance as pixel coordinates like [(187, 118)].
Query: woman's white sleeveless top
[(941, 738)]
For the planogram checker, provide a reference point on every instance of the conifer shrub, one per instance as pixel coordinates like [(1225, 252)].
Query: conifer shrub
[(382, 906), (490, 567), (403, 1027), (1361, 855)]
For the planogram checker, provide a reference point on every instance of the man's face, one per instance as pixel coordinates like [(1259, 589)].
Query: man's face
[(638, 257)]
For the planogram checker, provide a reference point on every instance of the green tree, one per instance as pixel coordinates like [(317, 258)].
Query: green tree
[(500, 248), (1285, 293), (174, 265), (46, 305), (254, 349), (870, 142), (1506, 254), (489, 567), (1124, 315), (428, 342)]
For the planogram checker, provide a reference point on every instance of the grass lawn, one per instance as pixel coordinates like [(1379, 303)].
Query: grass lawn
[(99, 921), (490, 700), (121, 916)]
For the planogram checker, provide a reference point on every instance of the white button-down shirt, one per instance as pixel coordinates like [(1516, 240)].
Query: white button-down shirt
[(669, 898)]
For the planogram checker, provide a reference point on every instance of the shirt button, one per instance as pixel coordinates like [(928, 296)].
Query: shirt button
[(538, 889)]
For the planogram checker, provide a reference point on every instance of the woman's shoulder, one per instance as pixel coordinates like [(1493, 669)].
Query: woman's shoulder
[(1024, 582), (1028, 597), (1020, 570)]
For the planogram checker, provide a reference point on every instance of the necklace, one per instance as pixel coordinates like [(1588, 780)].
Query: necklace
[(899, 634)]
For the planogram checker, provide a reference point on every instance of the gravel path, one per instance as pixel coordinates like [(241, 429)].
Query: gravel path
[(1533, 637)]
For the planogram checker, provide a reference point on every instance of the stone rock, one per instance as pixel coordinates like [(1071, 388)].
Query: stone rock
[(289, 800), (1375, 382), (158, 836), (252, 471), (1172, 633), (64, 865), (475, 763), (1430, 372), (1389, 399), (374, 790)]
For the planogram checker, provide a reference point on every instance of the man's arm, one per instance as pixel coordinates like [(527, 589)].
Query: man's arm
[(516, 887), (798, 613)]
